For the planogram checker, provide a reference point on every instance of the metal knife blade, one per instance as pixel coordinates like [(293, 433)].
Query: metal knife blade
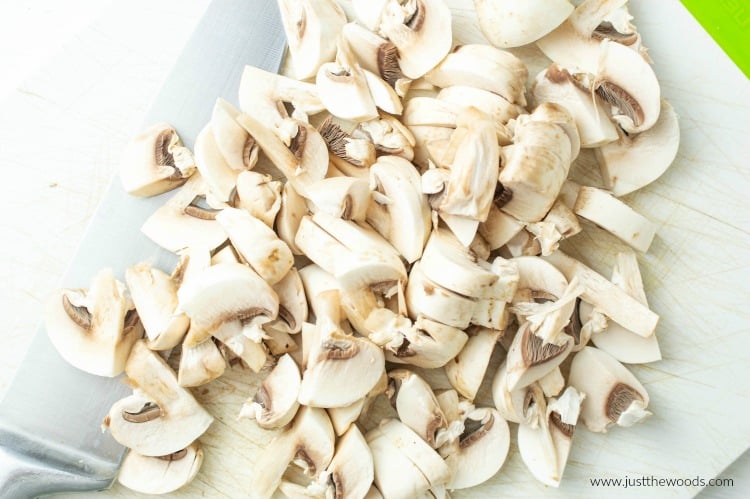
[(50, 437)]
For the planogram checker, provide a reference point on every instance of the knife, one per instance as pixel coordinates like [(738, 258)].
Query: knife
[(50, 418)]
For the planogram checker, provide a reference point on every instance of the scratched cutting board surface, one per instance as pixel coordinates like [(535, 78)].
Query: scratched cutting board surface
[(696, 272)]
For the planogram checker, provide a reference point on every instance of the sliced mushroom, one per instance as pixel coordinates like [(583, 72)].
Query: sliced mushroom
[(275, 404), (95, 329), (182, 223), (615, 217), (234, 143), (496, 106), (292, 303), (421, 30), (425, 136), (160, 474), (524, 405), (427, 298), (220, 177), (223, 293), (311, 29), (635, 161), (166, 419), (466, 371), (428, 344), (484, 67), (231, 335), (416, 404), (398, 210), (293, 208), (499, 228), (383, 95), (308, 443), (507, 23), (154, 295), (155, 162), (200, 363), (377, 55), (481, 452), (258, 245), (430, 111), (341, 197), (351, 472), (613, 394), (343, 87), (530, 357), (259, 195), (552, 383)]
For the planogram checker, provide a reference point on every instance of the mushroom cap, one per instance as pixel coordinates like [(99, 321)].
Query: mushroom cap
[(509, 23), (165, 419), (160, 474), (93, 330)]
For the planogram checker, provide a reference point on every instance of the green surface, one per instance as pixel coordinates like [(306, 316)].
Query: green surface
[(728, 22)]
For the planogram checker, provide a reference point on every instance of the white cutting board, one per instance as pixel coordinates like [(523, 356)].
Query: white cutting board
[(696, 272)]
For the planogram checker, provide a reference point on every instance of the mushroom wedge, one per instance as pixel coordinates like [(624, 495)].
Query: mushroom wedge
[(467, 370), (308, 443), (292, 303), (293, 208), (165, 419), (155, 161), (635, 161), (523, 405), (257, 244), (491, 103), (275, 404), (311, 28), (530, 357), (351, 472), (231, 335), (160, 474), (613, 395), (219, 176), (421, 30), (399, 211), (416, 405), (376, 55), (259, 195), (200, 363), (481, 452), (95, 329), (341, 197), (225, 292), (238, 148), (426, 298), (510, 23), (154, 294)]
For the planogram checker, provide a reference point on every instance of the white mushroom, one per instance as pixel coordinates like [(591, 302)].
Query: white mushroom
[(524, 405), (200, 363), (293, 208), (341, 197), (234, 143), (416, 404), (160, 474), (613, 394), (165, 419), (530, 358), (220, 177), (231, 335), (499, 228), (351, 472), (466, 371), (259, 195), (94, 329), (155, 162), (377, 55), (275, 403), (509, 23), (496, 106), (427, 298), (343, 87)]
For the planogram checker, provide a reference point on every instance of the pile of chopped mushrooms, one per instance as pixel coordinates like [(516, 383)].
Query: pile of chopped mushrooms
[(407, 222)]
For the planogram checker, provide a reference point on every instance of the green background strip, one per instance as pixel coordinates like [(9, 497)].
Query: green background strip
[(728, 22)]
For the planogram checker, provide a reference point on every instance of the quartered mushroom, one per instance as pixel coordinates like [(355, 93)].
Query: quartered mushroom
[(351, 472), (231, 334), (512, 23), (165, 418), (496, 106), (614, 396), (160, 474), (94, 329), (293, 208), (341, 197), (466, 371), (237, 147), (219, 176), (155, 161), (416, 405), (523, 405), (376, 55), (200, 363), (292, 303), (259, 195), (530, 357), (311, 28), (275, 404)]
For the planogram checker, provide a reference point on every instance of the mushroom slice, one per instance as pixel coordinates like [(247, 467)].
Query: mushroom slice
[(377, 55), (231, 335), (383, 95), (613, 394), (155, 162), (627, 82), (351, 472), (484, 67), (258, 245), (416, 404), (608, 298), (427, 298), (635, 161), (499, 228), (507, 23), (398, 210), (259, 195), (311, 28), (343, 87), (615, 217), (343, 418), (275, 403), (236, 145), (481, 452), (530, 357), (340, 359), (395, 475), (292, 303), (525, 405), (463, 96), (154, 295), (535, 168), (308, 443), (616, 340), (544, 448), (293, 208), (556, 84), (341, 197), (182, 223), (466, 371), (166, 419), (220, 177), (200, 363), (222, 293), (421, 30), (94, 329), (352, 153), (160, 474)]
